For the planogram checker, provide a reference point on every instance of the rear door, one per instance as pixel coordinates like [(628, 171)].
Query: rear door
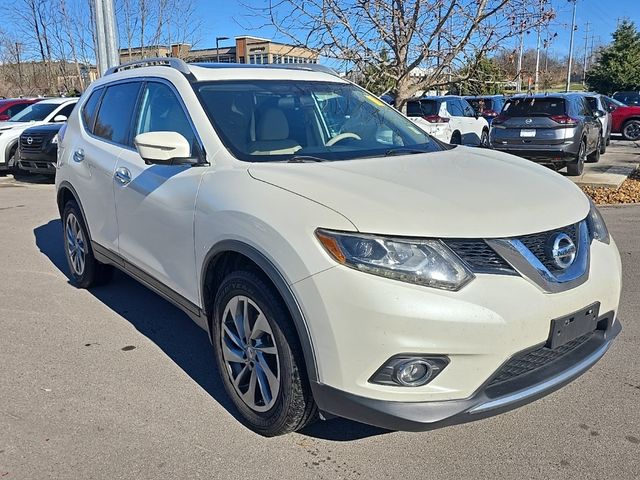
[(105, 118), (474, 124), (155, 203), (532, 121)]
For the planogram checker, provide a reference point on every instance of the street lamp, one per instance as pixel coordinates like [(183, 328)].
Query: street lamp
[(218, 47)]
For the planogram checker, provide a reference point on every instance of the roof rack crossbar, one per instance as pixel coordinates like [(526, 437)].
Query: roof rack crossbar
[(172, 62)]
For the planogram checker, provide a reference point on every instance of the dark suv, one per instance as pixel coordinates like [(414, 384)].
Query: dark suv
[(559, 129), (38, 149)]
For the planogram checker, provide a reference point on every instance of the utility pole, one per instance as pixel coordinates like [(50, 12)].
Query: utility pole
[(519, 85), (573, 27), (586, 40), (537, 78), (18, 46), (106, 35)]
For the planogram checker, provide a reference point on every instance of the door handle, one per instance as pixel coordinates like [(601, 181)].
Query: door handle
[(122, 176), (78, 155)]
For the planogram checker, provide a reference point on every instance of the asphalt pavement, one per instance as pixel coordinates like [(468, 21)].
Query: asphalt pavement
[(116, 383)]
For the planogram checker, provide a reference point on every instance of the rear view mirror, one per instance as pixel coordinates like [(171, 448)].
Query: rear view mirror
[(164, 148), (60, 118)]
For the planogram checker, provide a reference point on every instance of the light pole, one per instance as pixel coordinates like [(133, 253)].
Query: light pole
[(573, 27), (218, 47)]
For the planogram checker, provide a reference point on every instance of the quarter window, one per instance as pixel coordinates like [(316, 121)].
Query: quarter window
[(90, 108), (116, 111)]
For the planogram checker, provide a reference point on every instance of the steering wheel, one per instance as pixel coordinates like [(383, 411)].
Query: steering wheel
[(340, 137)]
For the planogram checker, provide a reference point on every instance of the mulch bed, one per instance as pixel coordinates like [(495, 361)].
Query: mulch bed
[(629, 192)]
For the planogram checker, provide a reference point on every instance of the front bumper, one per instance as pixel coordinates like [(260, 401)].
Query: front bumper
[(491, 399), (43, 162)]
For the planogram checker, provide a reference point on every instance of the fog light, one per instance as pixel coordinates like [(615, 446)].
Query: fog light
[(409, 370), (413, 373)]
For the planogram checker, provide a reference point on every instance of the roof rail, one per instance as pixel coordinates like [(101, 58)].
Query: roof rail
[(172, 62), (316, 67)]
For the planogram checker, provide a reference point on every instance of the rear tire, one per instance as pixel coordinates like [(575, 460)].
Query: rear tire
[(631, 130), (594, 157), (603, 145), (260, 362), (85, 270), (575, 168)]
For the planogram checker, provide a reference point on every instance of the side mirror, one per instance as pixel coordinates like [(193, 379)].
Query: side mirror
[(599, 113), (612, 108), (164, 148), (60, 118), (4, 118)]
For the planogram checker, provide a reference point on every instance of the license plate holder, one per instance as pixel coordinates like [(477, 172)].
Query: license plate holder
[(574, 325), (527, 133)]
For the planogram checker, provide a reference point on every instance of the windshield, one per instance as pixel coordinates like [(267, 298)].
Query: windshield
[(275, 120), (529, 107), (35, 112), (615, 102)]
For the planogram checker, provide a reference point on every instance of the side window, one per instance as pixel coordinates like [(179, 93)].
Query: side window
[(586, 108), (90, 108), (161, 111), (66, 110), (467, 109), (116, 111), (454, 108)]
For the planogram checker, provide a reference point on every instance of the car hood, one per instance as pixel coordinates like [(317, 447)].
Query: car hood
[(18, 125), (458, 193)]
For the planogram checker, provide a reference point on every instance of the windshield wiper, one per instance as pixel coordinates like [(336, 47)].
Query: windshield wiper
[(305, 159), (403, 151)]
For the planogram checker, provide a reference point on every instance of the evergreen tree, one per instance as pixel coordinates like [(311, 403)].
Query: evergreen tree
[(618, 65)]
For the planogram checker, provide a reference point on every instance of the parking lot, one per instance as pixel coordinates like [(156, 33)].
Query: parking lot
[(117, 383)]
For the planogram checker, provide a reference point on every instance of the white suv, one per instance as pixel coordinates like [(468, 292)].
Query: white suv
[(342, 262), (45, 111), (450, 119)]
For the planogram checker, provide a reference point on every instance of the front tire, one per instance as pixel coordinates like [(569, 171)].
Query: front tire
[(85, 270), (594, 157), (575, 168), (484, 139), (259, 357)]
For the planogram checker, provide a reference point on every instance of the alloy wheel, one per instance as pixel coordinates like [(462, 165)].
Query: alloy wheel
[(250, 353), (632, 131), (76, 244)]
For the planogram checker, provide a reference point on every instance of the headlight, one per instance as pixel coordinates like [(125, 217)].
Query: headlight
[(54, 140), (597, 227), (423, 262)]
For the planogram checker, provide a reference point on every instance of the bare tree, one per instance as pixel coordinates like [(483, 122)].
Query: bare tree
[(426, 43)]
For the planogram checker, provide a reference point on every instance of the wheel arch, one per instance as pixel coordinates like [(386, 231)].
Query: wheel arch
[(65, 193), (9, 148), (229, 255)]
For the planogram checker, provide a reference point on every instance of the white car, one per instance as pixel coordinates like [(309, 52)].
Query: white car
[(450, 119), (341, 260), (597, 104), (45, 111)]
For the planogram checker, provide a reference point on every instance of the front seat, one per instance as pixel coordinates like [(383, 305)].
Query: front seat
[(272, 134)]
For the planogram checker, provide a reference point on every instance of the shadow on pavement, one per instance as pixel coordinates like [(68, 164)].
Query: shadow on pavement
[(176, 334)]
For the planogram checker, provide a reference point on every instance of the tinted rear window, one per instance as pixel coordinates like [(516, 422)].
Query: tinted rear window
[(116, 112), (421, 108), (527, 107), (480, 104)]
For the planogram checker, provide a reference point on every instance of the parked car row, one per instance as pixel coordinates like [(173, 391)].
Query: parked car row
[(27, 138), (560, 129)]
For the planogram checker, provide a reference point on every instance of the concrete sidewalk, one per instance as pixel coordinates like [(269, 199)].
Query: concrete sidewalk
[(615, 166)]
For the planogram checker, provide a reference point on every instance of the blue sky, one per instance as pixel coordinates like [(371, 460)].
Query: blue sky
[(602, 14)]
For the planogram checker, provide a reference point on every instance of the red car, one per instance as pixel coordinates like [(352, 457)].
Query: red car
[(10, 106), (625, 119)]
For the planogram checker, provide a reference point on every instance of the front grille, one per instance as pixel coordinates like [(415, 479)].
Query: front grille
[(538, 244), (527, 363), (479, 256), (36, 142)]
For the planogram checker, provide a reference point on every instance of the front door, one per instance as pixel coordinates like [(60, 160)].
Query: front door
[(155, 203)]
